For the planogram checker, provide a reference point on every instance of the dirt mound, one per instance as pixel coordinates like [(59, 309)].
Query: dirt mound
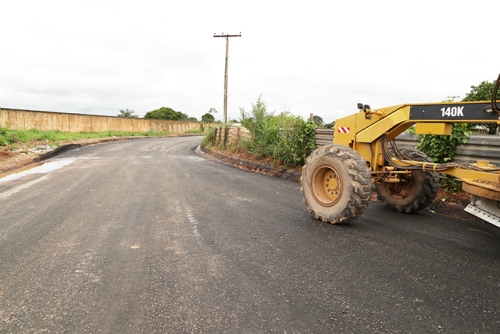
[(25, 155)]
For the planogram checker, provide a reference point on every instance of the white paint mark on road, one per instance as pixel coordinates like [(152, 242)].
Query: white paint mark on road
[(194, 223), (43, 169), (14, 190), (235, 201), (136, 246)]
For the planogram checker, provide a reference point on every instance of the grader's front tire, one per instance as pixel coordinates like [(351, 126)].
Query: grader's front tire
[(336, 184), (415, 192)]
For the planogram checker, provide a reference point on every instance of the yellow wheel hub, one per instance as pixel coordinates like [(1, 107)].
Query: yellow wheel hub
[(326, 186), (331, 182)]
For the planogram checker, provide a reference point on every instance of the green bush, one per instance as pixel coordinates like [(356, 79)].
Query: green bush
[(441, 149), (296, 141), (286, 138), (209, 138), (3, 137), (264, 128)]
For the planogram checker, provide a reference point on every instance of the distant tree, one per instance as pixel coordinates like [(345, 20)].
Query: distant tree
[(482, 92), (330, 125), (127, 113), (208, 118), (318, 120), (192, 119), (212, 111), (167, 114)]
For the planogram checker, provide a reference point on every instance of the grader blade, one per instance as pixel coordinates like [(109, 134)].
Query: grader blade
[(484, 208)]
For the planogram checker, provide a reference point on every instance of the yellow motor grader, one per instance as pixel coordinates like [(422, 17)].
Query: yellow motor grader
[(337, 180)]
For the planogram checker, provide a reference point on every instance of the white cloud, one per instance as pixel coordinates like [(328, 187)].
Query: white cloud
[(100, 56)]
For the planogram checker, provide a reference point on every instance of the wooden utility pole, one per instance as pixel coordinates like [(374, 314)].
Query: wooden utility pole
[(225, 71)]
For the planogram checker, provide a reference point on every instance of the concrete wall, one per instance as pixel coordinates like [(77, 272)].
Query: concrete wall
[(43, 120)]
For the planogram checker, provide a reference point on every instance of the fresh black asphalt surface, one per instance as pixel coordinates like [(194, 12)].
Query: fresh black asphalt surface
[(148, 236)]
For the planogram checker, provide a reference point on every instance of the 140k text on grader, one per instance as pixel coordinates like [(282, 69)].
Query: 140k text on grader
[(337, 179)]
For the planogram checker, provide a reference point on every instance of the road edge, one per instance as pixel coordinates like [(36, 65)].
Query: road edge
[(249, 165)]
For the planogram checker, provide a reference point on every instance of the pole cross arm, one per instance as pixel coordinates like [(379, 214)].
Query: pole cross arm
[(227, 35)]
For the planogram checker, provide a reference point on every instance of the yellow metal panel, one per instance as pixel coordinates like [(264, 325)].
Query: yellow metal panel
[(347, 128), (365, 152), (380, 127), (344, 131), (433, 129)]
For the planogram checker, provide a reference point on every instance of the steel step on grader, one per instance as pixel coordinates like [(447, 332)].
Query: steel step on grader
[(337, 180)]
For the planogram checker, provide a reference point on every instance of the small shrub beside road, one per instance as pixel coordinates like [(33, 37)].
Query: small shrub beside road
[(286, 139)]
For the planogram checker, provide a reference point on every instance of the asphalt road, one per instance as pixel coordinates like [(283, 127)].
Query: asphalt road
[(148, 236)]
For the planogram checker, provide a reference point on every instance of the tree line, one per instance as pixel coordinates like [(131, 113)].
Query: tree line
[(481, 92), (165, 113)]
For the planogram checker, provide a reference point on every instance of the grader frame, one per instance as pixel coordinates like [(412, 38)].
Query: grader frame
[(337, 179)]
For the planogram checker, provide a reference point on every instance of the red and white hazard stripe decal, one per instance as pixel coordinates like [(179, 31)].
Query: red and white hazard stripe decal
[(342, 129)]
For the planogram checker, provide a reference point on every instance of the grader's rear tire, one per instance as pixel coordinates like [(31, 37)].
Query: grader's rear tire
[(414, 193), (336, 184)]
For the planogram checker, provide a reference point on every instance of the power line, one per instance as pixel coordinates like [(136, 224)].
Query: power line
[(226, 36)]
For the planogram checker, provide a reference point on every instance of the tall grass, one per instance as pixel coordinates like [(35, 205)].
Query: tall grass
[(8, 137)]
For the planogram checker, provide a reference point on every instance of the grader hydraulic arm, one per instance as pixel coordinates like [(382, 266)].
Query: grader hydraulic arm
[(337, 179)]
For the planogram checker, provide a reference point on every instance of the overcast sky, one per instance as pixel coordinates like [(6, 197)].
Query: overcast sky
[(321, 57)]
